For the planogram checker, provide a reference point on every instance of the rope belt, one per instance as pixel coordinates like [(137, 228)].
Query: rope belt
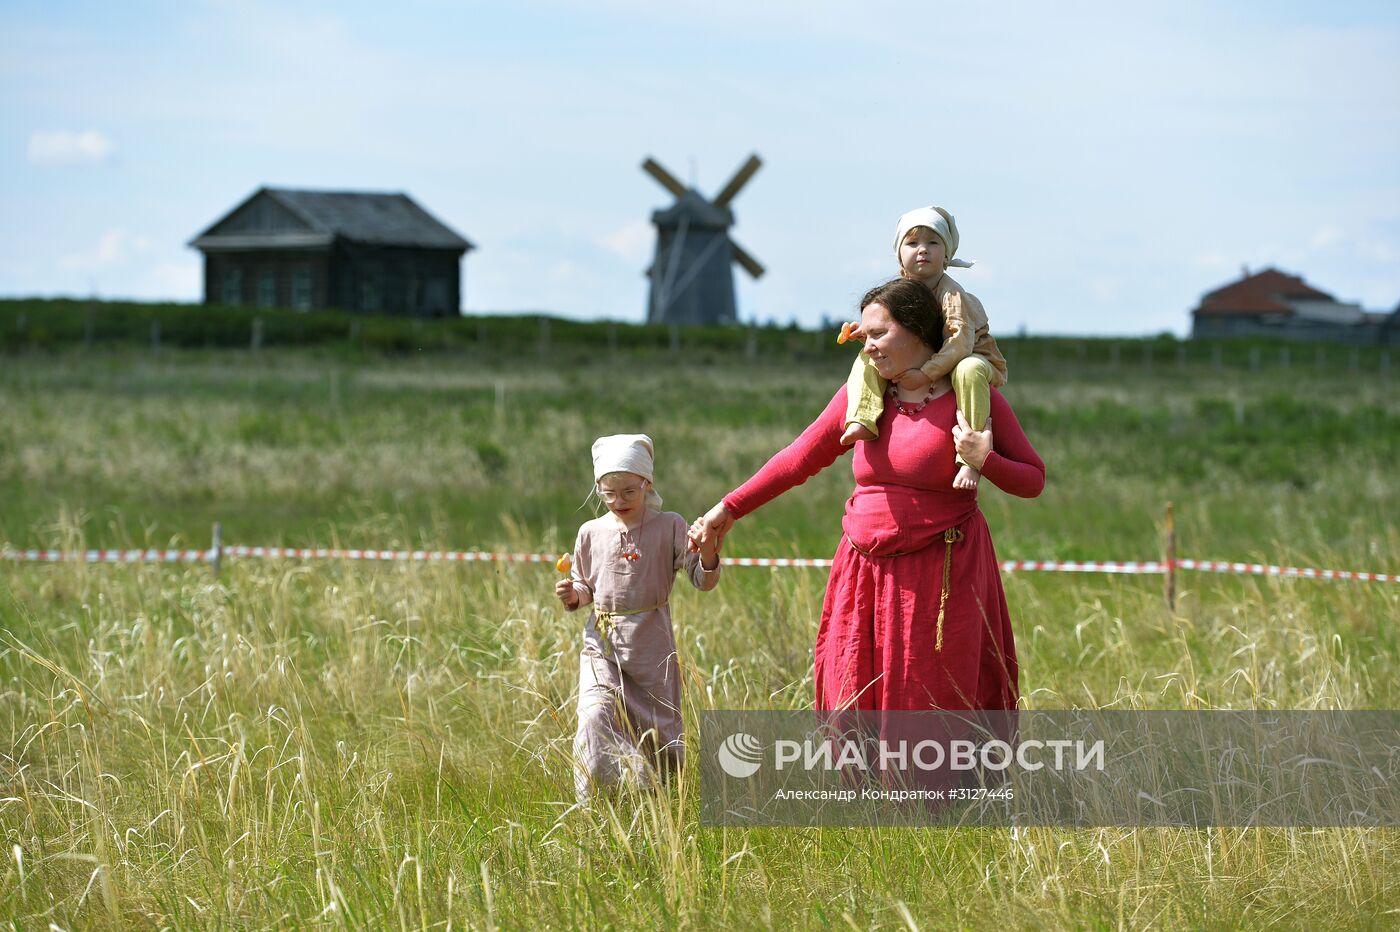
[(606, 620), (950, 537)]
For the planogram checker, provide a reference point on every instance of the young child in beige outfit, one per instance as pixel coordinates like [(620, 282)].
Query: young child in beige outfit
[(624, 563), (925, 243)]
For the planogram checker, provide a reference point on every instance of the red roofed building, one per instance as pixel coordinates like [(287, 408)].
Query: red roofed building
[(1276, 304)]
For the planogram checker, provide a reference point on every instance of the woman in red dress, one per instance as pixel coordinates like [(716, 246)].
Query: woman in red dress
[(914, 616)]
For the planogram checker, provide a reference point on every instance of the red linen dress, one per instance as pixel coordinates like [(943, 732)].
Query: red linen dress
[(877, 645)]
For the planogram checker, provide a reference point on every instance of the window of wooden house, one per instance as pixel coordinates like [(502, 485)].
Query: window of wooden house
[(267, 288), (301, 289), (371, 294), (436, 298), (233, 287)]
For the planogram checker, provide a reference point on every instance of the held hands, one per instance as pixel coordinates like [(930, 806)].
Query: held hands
[(707, 533), (972, 445), (567, 594)]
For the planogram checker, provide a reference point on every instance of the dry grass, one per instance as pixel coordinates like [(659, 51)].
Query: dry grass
[(382, 745)]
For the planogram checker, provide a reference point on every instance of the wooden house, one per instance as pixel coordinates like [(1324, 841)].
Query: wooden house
[(1271, 303), (368, 252)]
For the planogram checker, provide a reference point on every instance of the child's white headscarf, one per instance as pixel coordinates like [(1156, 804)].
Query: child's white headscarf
[(939, 221), (626, 453)]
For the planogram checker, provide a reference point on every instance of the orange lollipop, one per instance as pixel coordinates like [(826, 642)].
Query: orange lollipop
[(845, 332), (564, 563)]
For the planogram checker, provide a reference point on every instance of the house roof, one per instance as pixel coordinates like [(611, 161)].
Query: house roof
[(384, 219), (1264, 292)]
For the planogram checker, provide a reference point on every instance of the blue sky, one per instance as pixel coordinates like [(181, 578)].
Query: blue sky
[(1107, 162)]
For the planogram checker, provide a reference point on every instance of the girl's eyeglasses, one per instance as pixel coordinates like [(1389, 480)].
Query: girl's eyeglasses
[(613, 496)]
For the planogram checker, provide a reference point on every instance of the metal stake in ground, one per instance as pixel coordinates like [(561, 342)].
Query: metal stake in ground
[(217, 550), (1170, 558)]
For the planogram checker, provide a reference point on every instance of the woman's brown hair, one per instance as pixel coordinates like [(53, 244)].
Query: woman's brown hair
[(912, 305)]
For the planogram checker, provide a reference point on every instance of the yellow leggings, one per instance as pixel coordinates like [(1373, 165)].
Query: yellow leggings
[(865, 392)]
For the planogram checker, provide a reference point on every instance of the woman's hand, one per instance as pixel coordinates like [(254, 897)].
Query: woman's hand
[(709, 552), (567, 594), (974, 446), (707, 533)]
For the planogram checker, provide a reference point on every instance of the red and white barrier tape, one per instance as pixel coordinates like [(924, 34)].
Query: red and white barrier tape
[(433, 556), (107, 556), (1300, 572), (1131, 568)]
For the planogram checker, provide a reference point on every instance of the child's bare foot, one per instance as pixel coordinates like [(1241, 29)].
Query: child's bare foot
[(856, 431), (966, 478)]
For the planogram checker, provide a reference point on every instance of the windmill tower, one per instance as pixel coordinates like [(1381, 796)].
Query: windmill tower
[(692, 276)]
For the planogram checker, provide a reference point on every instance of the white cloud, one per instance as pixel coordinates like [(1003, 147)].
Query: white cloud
[(179, 280), (1103, 287), (1379, 251), (567, 272), (115, 247), (1327, 236), (62, 147), (632, 241)]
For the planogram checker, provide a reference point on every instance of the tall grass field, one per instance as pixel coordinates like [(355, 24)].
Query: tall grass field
[(322, 743)]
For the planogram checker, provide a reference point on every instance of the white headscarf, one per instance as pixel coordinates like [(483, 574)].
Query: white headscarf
[(939, 221), (626, 453)]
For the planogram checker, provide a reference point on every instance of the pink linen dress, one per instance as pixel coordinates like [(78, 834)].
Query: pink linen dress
[(629, 696)]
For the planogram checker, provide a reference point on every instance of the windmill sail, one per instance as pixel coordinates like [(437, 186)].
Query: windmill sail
[(692, 276)]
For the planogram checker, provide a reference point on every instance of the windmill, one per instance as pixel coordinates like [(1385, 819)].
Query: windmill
[(692, 279)]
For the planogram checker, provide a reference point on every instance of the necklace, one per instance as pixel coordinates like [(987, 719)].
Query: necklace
[(628, 543), (913, 408)]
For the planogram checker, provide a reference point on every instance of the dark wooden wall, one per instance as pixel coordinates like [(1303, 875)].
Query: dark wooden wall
[(396, 280), (371, 279), (279, 266)]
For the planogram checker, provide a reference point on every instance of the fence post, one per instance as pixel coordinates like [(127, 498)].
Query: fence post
[(1170, 559), (751, 344), (500, 402), (217, 550), (255, 343)]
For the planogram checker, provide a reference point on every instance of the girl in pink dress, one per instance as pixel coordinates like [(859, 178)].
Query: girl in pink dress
[(914, 615), (624, 564)]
